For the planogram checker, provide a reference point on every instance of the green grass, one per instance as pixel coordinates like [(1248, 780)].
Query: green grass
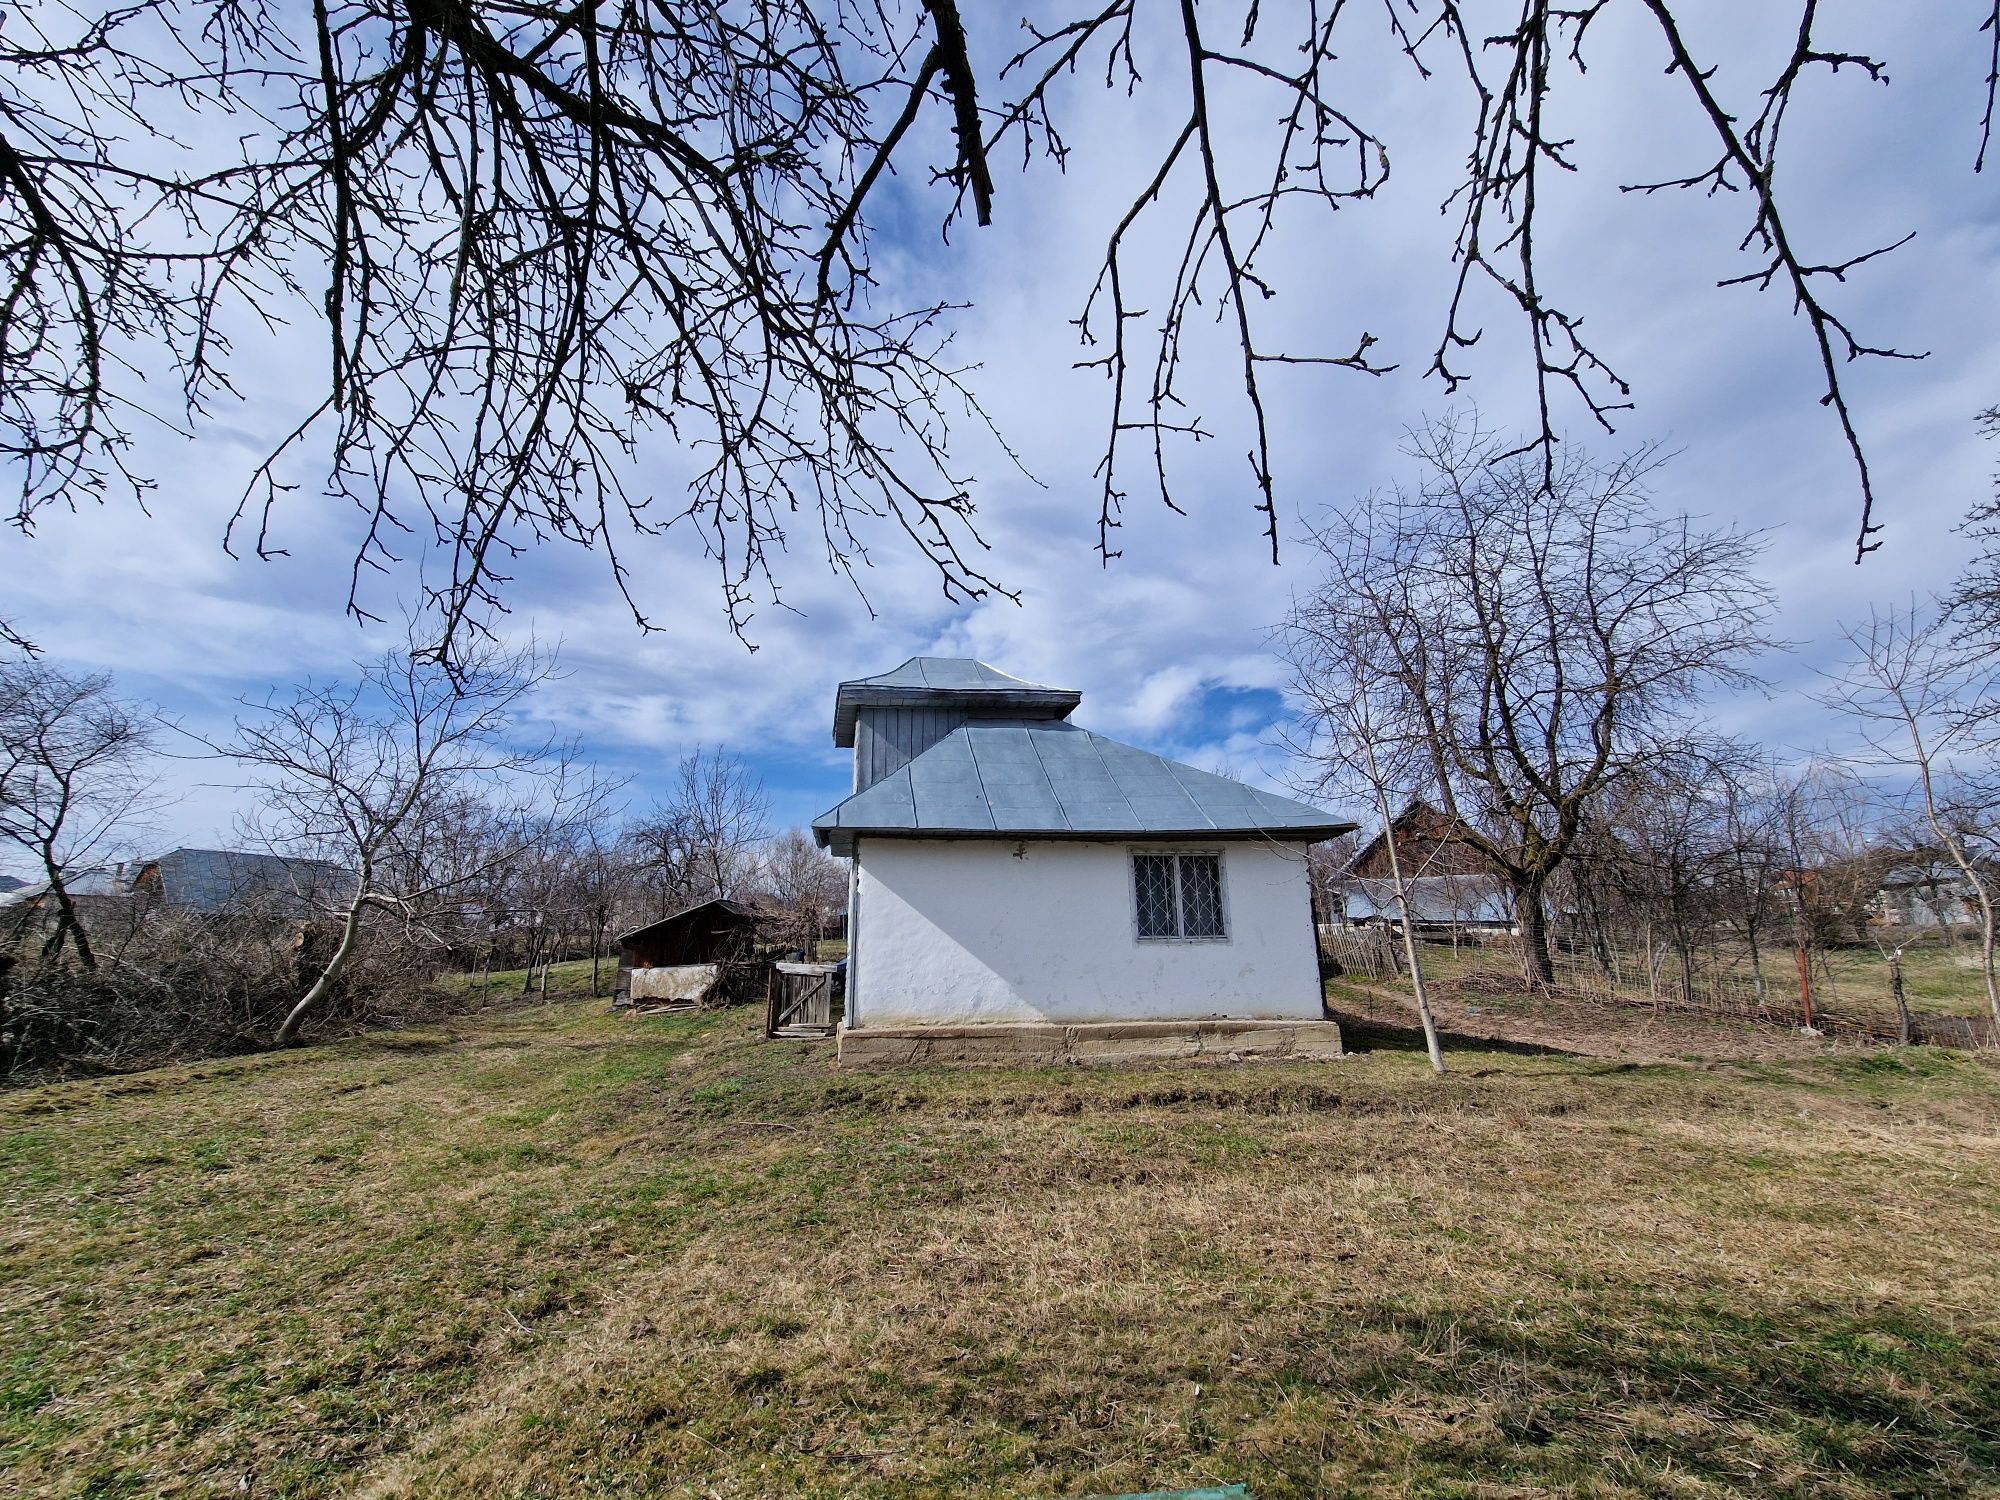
[(567, 981), (554, 1252), (1938, 978)]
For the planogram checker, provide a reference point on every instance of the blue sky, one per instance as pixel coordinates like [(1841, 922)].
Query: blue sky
[(1169, 644)]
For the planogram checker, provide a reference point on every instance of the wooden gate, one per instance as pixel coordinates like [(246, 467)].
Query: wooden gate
[(799, 1001)]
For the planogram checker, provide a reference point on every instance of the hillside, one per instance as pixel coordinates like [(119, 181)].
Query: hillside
[(556, 1253)]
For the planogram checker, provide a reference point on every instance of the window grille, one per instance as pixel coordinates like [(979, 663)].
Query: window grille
[(1178, 895), (1153, 876)]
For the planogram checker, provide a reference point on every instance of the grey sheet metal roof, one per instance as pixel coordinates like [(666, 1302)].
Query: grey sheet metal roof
[(1044, 779), (1466, 900), (213, 880), (954, 681)]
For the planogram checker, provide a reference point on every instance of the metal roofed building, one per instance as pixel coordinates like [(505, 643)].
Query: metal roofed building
[(218, 881), (1022, 883)]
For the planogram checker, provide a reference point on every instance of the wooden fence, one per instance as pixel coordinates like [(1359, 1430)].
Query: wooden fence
[(1717, 979), (799, 1000)]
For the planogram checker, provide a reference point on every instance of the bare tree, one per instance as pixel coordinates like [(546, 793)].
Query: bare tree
[(803, 883), (1753, 880), (1922, 700), (375, 773), (530, 234), (603, 880), (1543, 640), (1362, 736), (1671, 855), (71, 778), (1975, 601), (698, 840)]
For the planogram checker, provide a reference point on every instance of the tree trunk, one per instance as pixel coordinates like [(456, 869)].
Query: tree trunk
[(67, 921), (1896, 994), (1684, 950), (350, 930), (6, 1051), (1986, 955), (1537, 968), (1417, 986), (534, 957)]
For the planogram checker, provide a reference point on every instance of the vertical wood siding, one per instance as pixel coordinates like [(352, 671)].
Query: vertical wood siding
[(887, 739)]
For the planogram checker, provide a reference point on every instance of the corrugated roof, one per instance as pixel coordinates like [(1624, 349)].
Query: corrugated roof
[(1042, 778), (956, 681)]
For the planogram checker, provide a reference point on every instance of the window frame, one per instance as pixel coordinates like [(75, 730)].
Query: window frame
[(1177, 853)]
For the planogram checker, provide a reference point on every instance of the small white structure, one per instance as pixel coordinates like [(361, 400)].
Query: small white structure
[(1025, 888)]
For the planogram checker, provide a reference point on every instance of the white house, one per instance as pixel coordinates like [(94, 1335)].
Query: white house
[(1024, 888)]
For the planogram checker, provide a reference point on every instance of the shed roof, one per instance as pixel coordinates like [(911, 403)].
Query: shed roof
[(727, 907), (1045, 779), (949, 681)]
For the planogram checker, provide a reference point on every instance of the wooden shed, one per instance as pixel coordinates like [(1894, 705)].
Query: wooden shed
[(711, 935)]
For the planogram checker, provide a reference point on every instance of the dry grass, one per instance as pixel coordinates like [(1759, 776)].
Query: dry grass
[(1941, 977), (557, 1253)]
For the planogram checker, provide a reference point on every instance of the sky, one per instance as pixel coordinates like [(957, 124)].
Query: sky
[(1170, 643)]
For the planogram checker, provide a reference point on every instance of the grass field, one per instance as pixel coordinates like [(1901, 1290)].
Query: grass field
[(567, 981), (552, 1252), (1939, 978)]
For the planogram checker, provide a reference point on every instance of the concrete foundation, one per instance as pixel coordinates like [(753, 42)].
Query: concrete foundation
[(1106, 1043)]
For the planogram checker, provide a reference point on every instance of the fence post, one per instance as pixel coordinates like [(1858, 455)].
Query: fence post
[(1896, 994), (771, 1001)]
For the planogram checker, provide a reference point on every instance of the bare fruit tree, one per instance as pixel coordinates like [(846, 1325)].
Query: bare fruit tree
[(530, 236), (1361, 737), (697, 843), (1923, 701), (417, 781), (72, 778), (803, 884), (1541, 639), (1975, 602)]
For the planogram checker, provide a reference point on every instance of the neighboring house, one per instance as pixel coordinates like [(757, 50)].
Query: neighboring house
[(1920, 890), (214, 881), (9, 884), (1449, 884), (1439, 904), (99, 894), (1023, 887)]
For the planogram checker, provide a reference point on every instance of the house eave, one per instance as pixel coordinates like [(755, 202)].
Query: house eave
[(841, 841), (1037, 703)]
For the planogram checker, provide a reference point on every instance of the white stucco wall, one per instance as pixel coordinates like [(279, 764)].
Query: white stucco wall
[(985, 930)]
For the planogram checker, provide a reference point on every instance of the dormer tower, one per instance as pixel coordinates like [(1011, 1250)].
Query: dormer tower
[(891, 719)]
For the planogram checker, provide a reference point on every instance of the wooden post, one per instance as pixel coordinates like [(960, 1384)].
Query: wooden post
[(771, 1001), (1896, 993), (1805, 985)]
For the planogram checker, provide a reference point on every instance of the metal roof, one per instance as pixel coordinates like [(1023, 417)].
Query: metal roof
[(954, 681), (1464, 900), (212, 880), (733, 908), (1046, 779)]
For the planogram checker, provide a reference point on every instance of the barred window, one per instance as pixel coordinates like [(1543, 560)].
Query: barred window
[(1178, 895)]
